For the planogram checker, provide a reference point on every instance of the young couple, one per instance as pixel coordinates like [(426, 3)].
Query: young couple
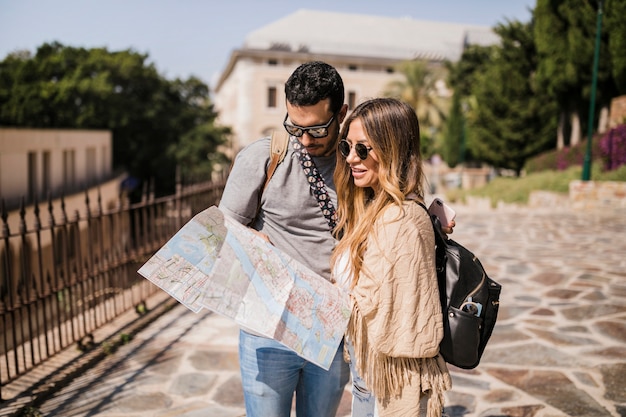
[(366, 193)]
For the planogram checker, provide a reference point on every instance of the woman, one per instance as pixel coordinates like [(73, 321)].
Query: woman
[(386, 258)]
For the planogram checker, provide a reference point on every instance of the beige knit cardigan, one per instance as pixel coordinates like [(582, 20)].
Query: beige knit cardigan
[(396, 322)]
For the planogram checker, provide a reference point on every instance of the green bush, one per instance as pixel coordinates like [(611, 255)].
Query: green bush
[(565, 158), (613, 147)]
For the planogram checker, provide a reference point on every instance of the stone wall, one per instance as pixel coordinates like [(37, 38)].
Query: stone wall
[(583, 195), (597, 194)]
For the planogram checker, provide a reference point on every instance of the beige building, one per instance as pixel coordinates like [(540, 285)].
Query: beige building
[(37, 162), (249, 95)]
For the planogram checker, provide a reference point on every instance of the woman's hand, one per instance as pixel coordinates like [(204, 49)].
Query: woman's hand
[(449, 229)]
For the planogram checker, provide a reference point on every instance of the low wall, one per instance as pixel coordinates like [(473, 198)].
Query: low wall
[(583, 195), (597, 194)]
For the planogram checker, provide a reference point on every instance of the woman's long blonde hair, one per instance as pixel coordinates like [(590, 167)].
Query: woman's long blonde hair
[(393, 132)]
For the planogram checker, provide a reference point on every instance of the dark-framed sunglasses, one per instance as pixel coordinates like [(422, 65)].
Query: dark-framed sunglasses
[(319, 131), (360, 149)]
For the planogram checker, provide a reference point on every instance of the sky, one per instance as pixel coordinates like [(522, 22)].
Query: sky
[(196, 37)]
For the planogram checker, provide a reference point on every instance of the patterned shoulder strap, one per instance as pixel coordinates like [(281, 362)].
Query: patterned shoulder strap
[(316, 182)]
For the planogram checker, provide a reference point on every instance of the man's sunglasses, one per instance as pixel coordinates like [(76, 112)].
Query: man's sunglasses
[(360, 149), (319, 131)]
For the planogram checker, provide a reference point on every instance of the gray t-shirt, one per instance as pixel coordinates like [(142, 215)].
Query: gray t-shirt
[(289, 214)]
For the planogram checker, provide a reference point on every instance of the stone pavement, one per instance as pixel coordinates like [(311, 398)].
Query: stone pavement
[(558, 349)]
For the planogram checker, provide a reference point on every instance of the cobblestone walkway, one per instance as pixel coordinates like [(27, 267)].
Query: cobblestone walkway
[(558, 349)]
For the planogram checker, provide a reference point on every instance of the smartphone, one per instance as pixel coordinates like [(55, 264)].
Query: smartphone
[(442, 211)]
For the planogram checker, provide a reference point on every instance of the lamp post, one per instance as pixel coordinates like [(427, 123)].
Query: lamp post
[(463, 146), (592, 106)]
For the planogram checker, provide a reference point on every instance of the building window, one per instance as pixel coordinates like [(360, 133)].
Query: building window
[(25, 260), (32, 176), (7, 271), (271, 97), (69, 169), (104, 170), (351, 100), (46, 172), (71, 247), (58, 247), (91, 168)]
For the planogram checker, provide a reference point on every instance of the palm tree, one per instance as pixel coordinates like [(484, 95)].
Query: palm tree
[(421, 90)]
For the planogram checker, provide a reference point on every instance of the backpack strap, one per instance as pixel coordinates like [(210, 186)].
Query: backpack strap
[(278, 150), (440, 235)]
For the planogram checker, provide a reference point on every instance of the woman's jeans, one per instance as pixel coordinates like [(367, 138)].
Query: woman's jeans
[(363, 401), (271, 373)]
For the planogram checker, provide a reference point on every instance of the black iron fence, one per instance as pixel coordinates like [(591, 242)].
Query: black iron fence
[(61, 280)]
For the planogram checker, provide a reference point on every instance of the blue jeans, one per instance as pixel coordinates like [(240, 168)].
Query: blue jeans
[(271, 373), (363, 401)]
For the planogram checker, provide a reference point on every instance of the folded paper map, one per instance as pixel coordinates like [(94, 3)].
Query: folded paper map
[(216, 263)]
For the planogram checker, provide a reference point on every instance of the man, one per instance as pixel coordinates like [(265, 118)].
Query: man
[(297, 218)]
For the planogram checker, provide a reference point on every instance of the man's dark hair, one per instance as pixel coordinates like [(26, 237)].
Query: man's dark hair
[(313, 82)]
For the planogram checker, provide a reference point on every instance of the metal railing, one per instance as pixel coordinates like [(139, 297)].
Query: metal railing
[(61, 281)]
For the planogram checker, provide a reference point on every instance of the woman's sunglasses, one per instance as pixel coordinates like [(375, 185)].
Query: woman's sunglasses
[(360, 149), (319, 131)]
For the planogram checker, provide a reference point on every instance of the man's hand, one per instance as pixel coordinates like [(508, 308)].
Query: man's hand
[(262, 236)]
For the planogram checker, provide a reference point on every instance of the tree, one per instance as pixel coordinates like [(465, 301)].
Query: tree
[(564, 35), (454, 133), (615, 10), (510, 121), (67, 87), (461, 74), (461, 77), (419, 90), (196, 151)]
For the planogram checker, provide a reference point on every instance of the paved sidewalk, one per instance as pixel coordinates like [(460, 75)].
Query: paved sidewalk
[(559, 347)]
